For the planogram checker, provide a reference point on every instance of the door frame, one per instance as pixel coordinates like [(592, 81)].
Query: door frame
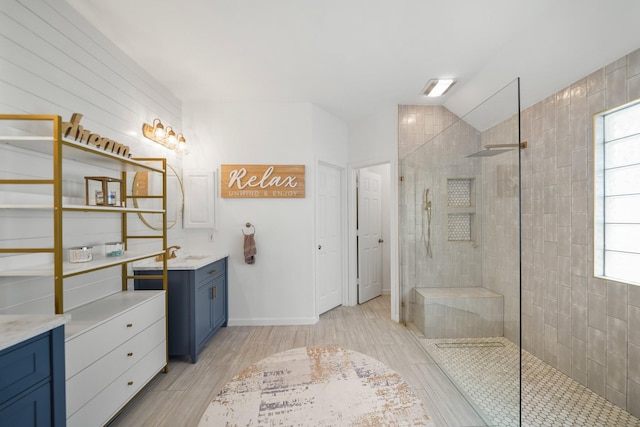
[(352, 284), (343, 231)]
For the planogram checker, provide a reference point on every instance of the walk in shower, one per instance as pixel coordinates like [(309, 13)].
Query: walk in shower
[(460, 246)]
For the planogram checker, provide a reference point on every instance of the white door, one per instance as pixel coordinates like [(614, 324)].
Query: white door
[(369, 236), (329, 260)]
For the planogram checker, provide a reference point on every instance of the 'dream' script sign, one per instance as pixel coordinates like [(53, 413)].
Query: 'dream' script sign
[(262, 181)]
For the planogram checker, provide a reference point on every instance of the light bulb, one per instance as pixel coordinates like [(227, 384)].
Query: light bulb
[(159, 129), (171, 136), (182, 143)]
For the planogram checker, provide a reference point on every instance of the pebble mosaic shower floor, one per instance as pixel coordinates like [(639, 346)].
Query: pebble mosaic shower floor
[(486, 369)]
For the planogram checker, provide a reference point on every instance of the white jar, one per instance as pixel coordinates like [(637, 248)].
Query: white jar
[(80, 254)]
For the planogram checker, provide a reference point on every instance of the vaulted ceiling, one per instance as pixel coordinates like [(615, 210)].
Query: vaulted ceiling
[(352, 57)]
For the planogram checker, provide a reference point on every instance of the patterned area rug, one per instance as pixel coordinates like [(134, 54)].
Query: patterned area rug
[(316, 386)]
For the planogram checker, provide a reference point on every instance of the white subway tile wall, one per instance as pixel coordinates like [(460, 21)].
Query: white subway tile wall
[(577, 323)]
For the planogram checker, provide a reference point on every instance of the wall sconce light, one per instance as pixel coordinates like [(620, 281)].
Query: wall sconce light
[(164, 136), (437, 87)]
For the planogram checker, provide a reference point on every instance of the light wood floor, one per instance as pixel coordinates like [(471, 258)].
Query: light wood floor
[(179, 397)]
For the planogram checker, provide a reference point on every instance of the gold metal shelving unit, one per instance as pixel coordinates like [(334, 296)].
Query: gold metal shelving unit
[(60, 149)]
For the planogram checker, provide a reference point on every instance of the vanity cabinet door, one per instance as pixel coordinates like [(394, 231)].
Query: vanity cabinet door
[(219, 308), (32, 388), (211, 309), (203, 315), (31, 410)]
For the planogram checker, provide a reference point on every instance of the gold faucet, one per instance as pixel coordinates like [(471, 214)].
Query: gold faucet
[(169, 253)]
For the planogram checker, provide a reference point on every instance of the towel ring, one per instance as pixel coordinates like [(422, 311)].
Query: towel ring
[(249, 225)]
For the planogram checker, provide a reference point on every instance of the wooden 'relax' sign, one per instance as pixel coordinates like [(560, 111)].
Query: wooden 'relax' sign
[(262, 181)]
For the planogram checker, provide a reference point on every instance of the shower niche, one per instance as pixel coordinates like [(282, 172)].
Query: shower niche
[(461, 210)]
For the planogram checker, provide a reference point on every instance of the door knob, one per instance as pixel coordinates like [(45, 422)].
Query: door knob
[(380, 241), (319, 246)]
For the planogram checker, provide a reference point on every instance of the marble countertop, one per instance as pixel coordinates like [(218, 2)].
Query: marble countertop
[(182, 262), (15, 328)]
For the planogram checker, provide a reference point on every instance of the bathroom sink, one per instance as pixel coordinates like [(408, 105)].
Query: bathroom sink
[(187, 261), (187, 258), (181, 262), (195, 256)]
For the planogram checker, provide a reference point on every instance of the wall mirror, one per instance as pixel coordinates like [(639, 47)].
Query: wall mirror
[(151, 183)]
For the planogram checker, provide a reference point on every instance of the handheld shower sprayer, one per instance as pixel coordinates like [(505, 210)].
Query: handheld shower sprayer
[(427, 229), (427, 201)]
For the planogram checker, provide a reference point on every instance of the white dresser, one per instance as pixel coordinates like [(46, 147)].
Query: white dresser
[(121, 345)]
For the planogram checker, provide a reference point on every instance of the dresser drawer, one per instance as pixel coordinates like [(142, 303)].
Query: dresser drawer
[(23, 366), (84, 349), (97, 376), (210, 271), (108, 402)]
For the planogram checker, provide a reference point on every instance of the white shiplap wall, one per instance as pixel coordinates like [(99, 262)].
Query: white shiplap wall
[(52, 61)]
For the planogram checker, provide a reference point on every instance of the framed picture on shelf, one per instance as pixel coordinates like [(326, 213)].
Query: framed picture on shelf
[(103, 191)]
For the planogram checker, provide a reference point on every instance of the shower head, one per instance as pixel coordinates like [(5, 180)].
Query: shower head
[(495, 149), (487, 152)]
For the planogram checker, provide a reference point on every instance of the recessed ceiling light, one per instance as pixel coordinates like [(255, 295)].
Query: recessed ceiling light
[(437, 87)]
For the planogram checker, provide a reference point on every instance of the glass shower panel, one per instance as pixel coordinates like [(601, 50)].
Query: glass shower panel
[(460, 247)]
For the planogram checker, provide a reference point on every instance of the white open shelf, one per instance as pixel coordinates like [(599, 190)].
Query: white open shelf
[(71, 269), (87, 208), (84, 208), (78, 151)]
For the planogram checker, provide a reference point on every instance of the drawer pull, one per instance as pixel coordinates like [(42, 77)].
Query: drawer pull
[(130, 383), (129, 325), (214, 292), (213, 271), (129, 354)]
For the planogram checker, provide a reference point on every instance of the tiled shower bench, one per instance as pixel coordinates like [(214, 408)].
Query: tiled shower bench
[(469, 312)]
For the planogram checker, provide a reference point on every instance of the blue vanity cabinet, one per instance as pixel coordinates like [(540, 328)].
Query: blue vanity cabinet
[(32, 381), (197, 305)]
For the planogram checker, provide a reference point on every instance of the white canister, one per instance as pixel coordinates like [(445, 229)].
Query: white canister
[(80, 254)]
